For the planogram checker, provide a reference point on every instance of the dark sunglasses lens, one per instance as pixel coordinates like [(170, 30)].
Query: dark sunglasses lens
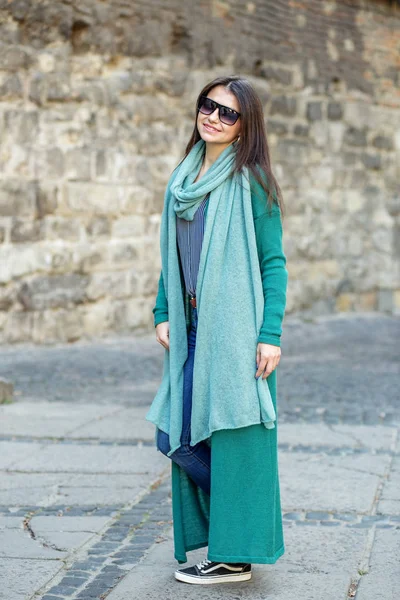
[(228, 117), (206, 106)]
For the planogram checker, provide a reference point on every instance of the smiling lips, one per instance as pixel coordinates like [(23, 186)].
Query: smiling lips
[(210, 128)]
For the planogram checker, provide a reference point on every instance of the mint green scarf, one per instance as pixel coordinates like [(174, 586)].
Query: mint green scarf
[(230, 305)]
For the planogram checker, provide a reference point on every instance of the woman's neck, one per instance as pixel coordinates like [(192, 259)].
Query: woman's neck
[(212, 152), (210, 156)]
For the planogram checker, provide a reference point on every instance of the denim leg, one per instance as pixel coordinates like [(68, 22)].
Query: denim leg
[(195, 460)]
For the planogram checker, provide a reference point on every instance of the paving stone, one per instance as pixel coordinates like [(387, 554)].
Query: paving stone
[(302, 572), (345, 517), (17, 543), (382, 580), (294, 516), (11, 523), (334, 438), (93, 524), (351, 484), (15, 487), (20, 577), (64, 540), (390, 497), (64, 590), (127, 423), (132, 460), (89, 565), (11, 453), (23, 418), (317, 515), (73, 580)]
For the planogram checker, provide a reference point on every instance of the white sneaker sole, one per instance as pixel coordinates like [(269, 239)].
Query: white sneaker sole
[(206, 580)]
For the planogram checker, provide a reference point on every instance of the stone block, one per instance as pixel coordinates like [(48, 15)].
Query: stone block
[(344, 302), (371, 161), (366, 301), (113, 283), (53, 87), (10, 87), (91, 198), (91, 257), (355, 137), (47, 198), (132, 226), (18, 198), (14, 57), (283, 105), (22, 260), (56, 326), (98, 317), (6, 390), (131, 314), (336, 131), (277, 74), (22, 125), (53, 291), (385, 301), (17, 327), (276, 127), (334, 111), (38, 89), (98, 226), (62, 228), (60, 257), (8, 296), (142, 282), (142, 200), (77, 163), (301, 130), (382, 142), (293, 151), (314, 111), (49, 163), (26, 231), (124, 253)]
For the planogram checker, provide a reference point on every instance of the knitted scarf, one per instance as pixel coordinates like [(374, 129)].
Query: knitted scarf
[(230, 305)]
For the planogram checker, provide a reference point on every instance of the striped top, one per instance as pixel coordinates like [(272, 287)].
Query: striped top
[(190, 239)]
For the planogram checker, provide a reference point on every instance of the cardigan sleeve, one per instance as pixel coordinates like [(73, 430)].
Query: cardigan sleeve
[(272, 260), (160, 310)]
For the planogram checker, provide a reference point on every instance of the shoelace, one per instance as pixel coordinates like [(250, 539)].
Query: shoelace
[(204, 563)]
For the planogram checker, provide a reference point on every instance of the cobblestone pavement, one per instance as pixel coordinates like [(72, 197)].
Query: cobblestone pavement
[(85, 498), (342, 368)]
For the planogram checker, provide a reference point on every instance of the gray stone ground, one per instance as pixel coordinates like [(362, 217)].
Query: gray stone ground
[(85, 498)]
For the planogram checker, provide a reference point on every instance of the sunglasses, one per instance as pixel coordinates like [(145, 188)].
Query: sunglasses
[(226, 115)]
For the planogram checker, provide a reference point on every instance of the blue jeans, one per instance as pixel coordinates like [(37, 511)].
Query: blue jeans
[(194, 460)]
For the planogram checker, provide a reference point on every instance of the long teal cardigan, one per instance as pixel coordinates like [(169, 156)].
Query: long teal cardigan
[(241, 520)]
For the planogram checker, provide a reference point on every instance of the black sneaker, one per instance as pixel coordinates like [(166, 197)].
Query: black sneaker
[(209, 571)]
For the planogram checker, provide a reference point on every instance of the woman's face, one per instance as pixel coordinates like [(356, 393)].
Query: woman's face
[(221, 133)]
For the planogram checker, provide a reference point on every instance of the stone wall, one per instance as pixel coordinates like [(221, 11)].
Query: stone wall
[(96, 107)]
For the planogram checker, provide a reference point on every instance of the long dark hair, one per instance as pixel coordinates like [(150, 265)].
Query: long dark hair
[(252, 150)]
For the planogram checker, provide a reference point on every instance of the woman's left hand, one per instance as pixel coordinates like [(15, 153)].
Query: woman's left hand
[(268, 357)]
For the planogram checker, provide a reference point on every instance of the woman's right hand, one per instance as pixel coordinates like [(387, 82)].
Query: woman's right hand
[(162, 334)]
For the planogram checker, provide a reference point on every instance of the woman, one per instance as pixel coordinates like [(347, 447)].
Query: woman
[(218, 314)]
